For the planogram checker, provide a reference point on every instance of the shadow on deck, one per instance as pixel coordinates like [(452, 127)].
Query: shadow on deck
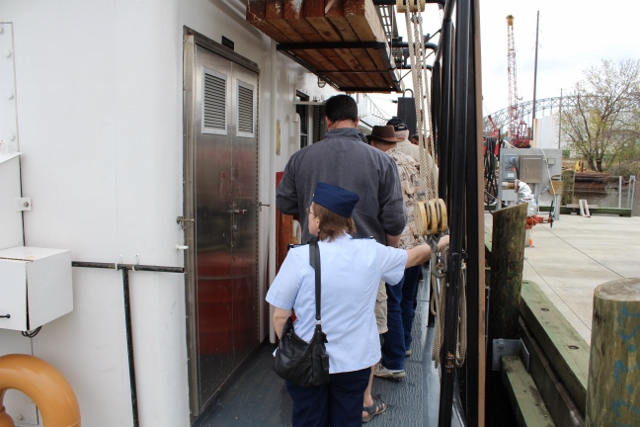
[(258, 397)]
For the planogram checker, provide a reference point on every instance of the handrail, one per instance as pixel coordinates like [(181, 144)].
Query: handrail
[(44, 384)]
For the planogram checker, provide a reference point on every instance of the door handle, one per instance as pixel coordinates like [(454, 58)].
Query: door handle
[(181, 220)]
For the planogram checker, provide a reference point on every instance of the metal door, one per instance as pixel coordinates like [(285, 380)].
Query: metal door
[(222, 193)]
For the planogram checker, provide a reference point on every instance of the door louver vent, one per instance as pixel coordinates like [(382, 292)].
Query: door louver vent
[(215, 95), (245, 110)]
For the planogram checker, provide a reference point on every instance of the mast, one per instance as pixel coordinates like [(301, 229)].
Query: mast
[(513, 84), (535, 72)]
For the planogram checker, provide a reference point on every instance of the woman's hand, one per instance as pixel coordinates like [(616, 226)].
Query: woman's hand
[(444, 241)]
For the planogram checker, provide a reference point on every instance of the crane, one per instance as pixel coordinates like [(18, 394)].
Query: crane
[(517, 127)]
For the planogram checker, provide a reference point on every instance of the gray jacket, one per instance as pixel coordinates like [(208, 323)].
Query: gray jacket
[(344, 159)]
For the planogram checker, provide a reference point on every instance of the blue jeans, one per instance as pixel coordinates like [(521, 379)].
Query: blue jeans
[(408, 303), (338, 403), (400, 312), (393, 350)]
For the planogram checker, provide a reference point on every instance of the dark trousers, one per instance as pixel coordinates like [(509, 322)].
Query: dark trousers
[(393, 350), (408, 303), (337, 404)]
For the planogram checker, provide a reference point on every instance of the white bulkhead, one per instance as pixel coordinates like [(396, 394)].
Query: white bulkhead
[(97, 116)]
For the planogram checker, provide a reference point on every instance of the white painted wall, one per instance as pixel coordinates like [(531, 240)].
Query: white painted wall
[(99, 108), (546, 132)]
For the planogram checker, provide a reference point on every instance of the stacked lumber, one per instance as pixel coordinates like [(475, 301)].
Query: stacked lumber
[(313, 30)]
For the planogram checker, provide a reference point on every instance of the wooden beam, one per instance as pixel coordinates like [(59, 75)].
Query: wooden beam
[(335, 15), (314, 14), (555, 395), (507, 262), (256, 17), (274, 14), (363, 18), (523, 394), (566, 350), (294, 16)]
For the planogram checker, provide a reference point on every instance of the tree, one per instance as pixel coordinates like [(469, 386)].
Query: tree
[(601, 116)]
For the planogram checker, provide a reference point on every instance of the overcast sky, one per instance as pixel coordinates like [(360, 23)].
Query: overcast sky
[(573, 36)]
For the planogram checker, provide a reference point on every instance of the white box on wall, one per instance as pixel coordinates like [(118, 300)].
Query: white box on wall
[(35, 286)]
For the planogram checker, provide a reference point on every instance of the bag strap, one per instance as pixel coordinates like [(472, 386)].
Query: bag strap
[(314, 260)]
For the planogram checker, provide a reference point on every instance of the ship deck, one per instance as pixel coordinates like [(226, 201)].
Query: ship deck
[(567, 260), (256, 396)]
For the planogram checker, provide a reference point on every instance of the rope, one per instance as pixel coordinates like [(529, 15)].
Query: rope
[(435, 217), (437, 303), (417, 53), (438, 308)]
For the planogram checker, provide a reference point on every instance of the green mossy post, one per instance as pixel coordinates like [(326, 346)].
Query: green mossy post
[(613, 393), (568, 185), (507, 257)]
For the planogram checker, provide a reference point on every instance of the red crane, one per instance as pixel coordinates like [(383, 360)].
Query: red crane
[(517, 127)]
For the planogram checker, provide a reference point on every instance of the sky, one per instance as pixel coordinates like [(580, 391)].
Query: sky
[(573, 36)]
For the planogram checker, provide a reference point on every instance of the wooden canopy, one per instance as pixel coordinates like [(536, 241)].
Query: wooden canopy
[(341, 41)]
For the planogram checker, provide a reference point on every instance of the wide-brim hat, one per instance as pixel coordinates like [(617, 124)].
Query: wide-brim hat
[(384, 133)]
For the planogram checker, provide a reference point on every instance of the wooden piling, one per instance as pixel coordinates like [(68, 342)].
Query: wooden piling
[(507, 257), (613, 393)]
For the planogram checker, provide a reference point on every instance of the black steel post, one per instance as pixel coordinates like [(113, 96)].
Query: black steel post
[(475, 208), (445, 110), (124, 268), (456, 224), (129, 334)]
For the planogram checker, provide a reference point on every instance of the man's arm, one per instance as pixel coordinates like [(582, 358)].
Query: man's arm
[(392, 214), (286, 192)]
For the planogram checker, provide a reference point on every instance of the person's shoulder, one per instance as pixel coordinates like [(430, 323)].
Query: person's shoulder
[(407, 159), (298, 249)]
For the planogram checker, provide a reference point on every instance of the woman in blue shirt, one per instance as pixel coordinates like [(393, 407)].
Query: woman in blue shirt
[(351, 270)]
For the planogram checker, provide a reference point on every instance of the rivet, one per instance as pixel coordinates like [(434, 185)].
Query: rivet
[(7, 53), (9, 95)]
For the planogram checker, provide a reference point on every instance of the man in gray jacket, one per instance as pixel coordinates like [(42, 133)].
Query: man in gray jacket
[(345, 159)]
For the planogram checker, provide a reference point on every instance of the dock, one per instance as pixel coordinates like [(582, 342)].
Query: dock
[(569, 259)]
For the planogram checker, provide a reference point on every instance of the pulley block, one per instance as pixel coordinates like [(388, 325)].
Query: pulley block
[(430, 216), (411, 5)]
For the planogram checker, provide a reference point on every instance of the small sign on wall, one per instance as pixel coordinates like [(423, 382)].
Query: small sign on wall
[(227, 42)]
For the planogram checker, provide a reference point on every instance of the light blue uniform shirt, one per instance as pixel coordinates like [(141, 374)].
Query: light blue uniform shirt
[(351, 270)]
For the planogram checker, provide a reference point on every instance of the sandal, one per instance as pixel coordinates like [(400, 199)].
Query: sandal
[(378, 407)]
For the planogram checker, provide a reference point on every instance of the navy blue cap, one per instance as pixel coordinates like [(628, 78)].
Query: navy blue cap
[(397, 123), (336, 199)]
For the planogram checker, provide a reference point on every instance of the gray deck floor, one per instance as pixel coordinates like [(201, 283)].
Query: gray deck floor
[(569, 260), (258, 397)]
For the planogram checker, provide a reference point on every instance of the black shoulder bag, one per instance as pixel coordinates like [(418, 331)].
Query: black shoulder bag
[(296, 361)]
